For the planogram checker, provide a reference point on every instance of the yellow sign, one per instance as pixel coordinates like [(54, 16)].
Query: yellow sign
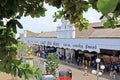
[(31, 55)]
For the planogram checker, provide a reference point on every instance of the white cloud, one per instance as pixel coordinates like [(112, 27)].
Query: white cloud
[(92, 19), (92, 15), (40, 24), (46, 23)]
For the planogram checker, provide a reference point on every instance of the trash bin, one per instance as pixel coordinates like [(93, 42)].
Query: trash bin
[(65, 75), (49, 77)]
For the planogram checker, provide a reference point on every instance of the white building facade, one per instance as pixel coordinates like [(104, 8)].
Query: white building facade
[(66, 30), (98, 40)]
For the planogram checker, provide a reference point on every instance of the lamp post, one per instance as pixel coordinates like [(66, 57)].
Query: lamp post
[(98, 72)]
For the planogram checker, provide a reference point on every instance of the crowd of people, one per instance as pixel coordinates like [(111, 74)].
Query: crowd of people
[(87, 62)]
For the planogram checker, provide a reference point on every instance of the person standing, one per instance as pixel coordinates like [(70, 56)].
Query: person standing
[(78, 61), (85, 71), (113, 74)]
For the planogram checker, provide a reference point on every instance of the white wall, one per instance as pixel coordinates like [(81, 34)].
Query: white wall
[(66, 30)]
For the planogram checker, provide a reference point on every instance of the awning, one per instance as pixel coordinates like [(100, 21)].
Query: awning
[(77, 44)]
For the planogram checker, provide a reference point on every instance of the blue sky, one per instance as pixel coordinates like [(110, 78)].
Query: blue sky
[(46, 23)]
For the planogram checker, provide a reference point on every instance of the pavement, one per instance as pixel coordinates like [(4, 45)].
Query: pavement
[(78, 72), (5, 76)]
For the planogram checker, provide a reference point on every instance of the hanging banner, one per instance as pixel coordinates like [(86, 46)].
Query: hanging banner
[(77, 44)]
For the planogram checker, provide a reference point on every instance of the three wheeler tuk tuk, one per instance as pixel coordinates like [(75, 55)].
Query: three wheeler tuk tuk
[(65, 75)]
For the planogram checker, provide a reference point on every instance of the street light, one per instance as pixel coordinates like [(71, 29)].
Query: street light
[(97, 60), (98, 72)]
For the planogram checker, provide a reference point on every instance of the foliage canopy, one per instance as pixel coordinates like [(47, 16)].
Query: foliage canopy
[(12, 10), (52, 63)]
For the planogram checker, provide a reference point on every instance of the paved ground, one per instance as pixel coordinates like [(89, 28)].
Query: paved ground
[(78, 74), (4, 76)]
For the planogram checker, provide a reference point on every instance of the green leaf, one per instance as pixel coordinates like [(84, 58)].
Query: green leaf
[(1, 27), (14, 29), (37, 77), (20, 72), (106, 24), (1, 23), (14, 40), (17, 62), (114, 26), (3, 2), (107, 6), (11, 5), (18, 24), (14, 71), (30, 70), (55, 19), (2, 66), (26, 75)]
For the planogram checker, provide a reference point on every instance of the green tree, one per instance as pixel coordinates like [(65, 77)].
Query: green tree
[(23, 50), (73, 11), (12, 10), (24, 70), (52, 63)]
